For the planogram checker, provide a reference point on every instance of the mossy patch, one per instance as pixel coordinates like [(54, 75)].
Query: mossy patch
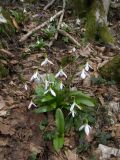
[(111, 71), (3, 71)]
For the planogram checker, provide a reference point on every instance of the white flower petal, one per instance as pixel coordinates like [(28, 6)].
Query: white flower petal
[(81, 128), (57, 75), (35, 76), (50, 62), (60, 74), (52, 92), (87, 66), (30, 105), (61, 85), (46, 84), (83, 74), (73, 113), (46, 61), (87, 129), (26, 87), (72, 107)]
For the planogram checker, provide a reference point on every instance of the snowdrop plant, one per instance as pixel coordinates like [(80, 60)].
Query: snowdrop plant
[(52, 94)]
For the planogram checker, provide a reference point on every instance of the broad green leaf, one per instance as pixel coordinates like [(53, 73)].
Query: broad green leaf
[(39, 91), (47, 98), (58, 142), (59, 118), (45, 109), (85, 101)]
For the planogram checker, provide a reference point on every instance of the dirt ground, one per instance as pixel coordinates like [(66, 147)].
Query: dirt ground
[(20, 135)]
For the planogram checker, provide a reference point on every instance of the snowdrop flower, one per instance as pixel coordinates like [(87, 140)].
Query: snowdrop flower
[(74, 49), (86, 127), (2, 19), (83, 74), (72, 111), (78, 21), (46, 61), (51, 91), (61, 85), (47, 84), (24, 11), (35, 76), (87, 66), (31, 105), (26, 87), (51, 19), (60, 73)]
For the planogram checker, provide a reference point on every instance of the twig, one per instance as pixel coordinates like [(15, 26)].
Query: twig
[(59, 24), (64, 33), (40, 26), (49, 4), (7, 52)]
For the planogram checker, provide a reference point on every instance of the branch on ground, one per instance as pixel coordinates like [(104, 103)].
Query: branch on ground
[(64, 33), (40, 26)]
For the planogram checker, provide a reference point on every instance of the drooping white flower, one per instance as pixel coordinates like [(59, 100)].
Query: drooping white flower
[(24, 11), (46, 61), (47, 83), (86, 127), (78, 21), (2, 19), (35, 76), (61, 85), (84, 74), (72, 110), (51, 91), (31, 105), (74, 49), (26, 87), (87, 66), (51, 19), (60, 74)]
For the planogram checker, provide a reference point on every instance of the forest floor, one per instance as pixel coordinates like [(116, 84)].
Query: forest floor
[(20, 135)]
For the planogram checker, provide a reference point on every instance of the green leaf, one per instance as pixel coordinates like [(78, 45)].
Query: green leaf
[(78, 94), (47, 98), (86, 102), (45, 109), (59, 118), (58, 142)]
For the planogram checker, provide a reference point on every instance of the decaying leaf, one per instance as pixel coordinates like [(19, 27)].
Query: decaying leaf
[(107, 152)]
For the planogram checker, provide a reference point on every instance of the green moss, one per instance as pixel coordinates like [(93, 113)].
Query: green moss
[(94, 30), (111, 71), (3, 71), (104, 34)]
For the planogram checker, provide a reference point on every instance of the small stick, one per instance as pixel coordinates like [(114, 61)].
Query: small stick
[(7, 52), (40, 26), (59, 25), (64, 33), (49, 4)]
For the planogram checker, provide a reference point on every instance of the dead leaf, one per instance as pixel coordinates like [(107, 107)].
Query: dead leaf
[(35, 148), (3, 142), (3, 113), (71, 154), (2, 102), (15, 23), (106, 152), (6, 129)]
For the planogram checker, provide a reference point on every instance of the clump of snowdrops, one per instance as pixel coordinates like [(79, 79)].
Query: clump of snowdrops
[(72, 108)]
